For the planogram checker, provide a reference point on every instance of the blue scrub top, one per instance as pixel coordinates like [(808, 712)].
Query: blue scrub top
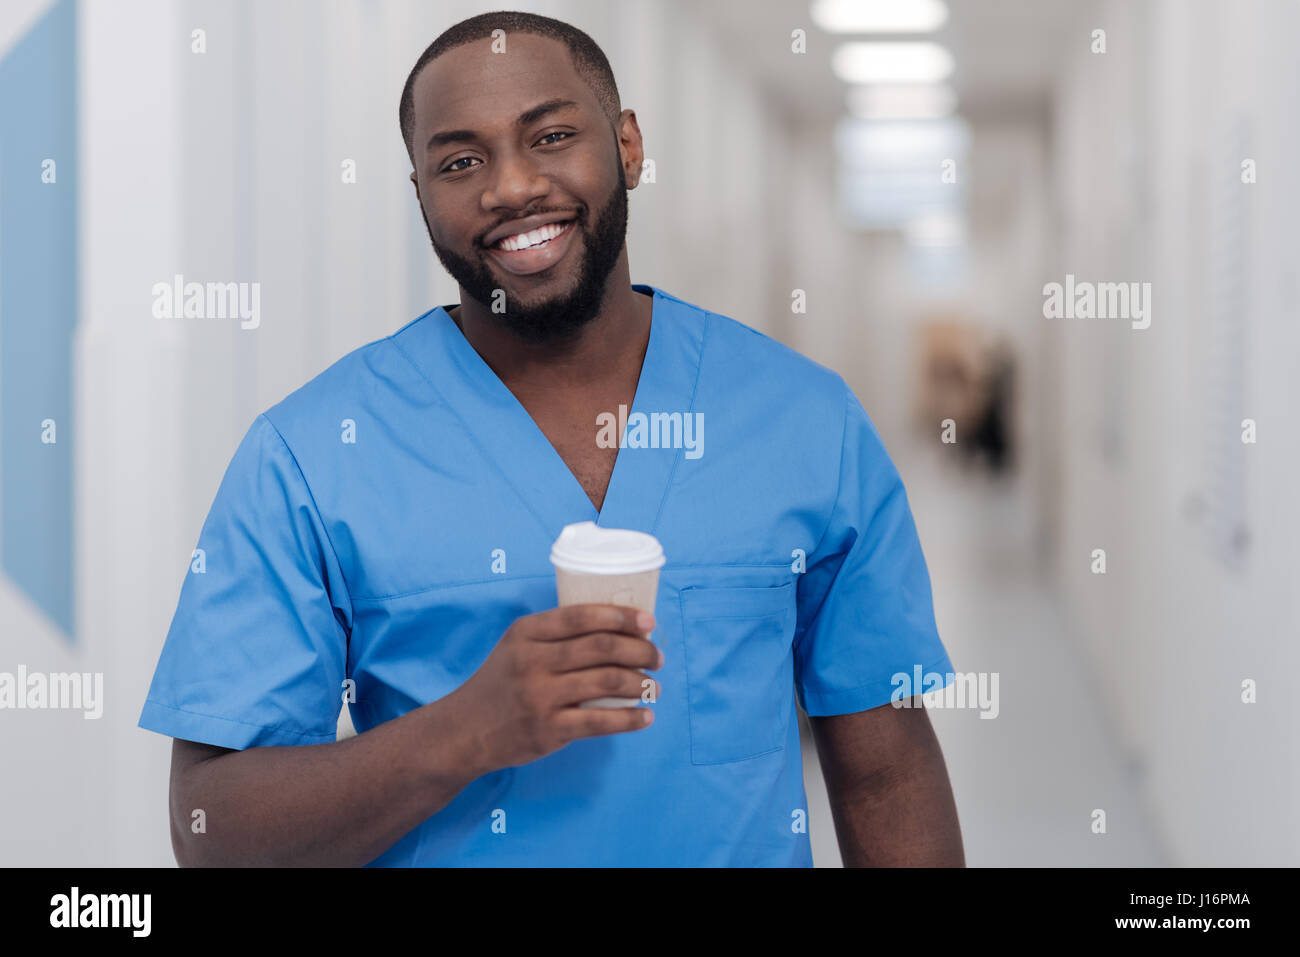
[(793, 569)]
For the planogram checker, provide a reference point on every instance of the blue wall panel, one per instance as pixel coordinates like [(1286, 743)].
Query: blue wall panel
[(38, 310)]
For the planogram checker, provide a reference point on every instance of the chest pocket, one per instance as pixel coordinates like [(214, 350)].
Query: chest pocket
[(739, 670)]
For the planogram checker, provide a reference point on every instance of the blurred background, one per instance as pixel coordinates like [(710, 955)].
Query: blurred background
[(920, 195)]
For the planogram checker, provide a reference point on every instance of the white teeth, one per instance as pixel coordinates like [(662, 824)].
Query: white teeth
[(538, 236)]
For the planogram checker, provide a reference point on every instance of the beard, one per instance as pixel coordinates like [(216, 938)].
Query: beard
[(559, 318)]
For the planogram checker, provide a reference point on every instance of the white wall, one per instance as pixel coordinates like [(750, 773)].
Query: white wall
[(1143, 154)]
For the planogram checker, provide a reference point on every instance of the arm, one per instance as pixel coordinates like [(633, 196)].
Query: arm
[(343, 803), (889, 791)]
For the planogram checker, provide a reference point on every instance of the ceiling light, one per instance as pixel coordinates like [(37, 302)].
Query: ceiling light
[(905, 62)]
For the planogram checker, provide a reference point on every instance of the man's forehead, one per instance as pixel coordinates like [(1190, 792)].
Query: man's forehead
[(473, 86)]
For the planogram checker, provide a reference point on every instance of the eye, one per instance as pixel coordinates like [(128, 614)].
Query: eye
[(549, 135), (453, 168)]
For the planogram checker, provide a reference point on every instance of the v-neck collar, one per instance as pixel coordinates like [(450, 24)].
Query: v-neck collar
[(527, 462)]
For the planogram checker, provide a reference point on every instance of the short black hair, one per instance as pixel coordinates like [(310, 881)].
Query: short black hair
[(588, 59)]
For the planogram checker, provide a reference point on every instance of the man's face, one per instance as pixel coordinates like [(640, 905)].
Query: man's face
[(499, 175)]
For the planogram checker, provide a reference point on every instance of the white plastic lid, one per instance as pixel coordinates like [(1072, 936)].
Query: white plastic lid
[(587, 548)]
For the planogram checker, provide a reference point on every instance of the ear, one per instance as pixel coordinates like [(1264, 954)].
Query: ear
[(629, 138)]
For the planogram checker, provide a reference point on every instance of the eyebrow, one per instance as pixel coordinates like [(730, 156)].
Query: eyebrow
[(524, 119)]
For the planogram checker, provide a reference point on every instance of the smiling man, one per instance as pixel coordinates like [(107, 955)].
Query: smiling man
[(382, 537)]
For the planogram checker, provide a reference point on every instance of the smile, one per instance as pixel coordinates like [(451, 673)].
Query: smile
[(533, 251), (538, 237)]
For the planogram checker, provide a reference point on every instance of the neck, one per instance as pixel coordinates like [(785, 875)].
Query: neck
[(603, 350)]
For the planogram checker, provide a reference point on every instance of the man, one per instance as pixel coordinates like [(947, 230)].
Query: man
[(381, 537)]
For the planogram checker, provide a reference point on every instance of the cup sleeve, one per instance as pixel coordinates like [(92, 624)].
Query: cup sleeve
[(257, 649), (865, 610)]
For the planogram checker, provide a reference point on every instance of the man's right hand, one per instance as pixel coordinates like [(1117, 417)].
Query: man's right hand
[(522, 703), (343, 803)]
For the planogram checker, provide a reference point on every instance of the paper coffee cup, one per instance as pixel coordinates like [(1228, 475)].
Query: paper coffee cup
[(608, 566)]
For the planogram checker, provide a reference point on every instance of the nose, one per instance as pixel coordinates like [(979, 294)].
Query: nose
[(516, 185)]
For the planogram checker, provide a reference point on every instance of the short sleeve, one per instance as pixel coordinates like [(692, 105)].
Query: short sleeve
[(865, 611), (257, 650)]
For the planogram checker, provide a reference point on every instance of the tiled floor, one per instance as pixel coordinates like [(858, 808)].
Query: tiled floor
[(1027, 781)]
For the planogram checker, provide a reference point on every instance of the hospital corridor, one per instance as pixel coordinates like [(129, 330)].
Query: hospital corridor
[(1054, 750), (1049, 245)]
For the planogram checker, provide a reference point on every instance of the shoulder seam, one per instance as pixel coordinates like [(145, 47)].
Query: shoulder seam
[(839, 466), (801, 628), (316, 508)]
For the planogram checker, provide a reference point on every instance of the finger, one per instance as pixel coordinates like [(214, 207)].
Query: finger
[(577, 686), (591, 722), (572, 620), (602, 648)]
